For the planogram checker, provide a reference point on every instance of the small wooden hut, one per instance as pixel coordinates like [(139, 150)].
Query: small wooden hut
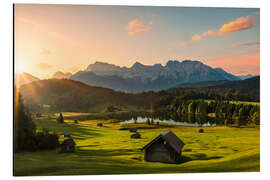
[(201, 131), (67, 146), (66, 134), (167, 148), (133, 130), (135, 136)]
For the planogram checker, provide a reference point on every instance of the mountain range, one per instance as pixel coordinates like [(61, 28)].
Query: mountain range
[(155, 77), (139, 77)]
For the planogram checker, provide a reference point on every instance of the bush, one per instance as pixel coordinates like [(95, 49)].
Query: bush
[(45, 140)]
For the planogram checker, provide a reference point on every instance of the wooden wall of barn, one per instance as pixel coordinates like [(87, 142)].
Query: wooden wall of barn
[(159, 152)]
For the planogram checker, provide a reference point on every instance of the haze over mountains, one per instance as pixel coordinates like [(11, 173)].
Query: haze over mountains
[(24, 78), (61, 75), (156, 77)]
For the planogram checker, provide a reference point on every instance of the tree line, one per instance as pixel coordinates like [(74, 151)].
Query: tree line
[(26, 138), (225, 111)]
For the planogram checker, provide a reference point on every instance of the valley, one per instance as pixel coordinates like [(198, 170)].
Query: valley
[(218, 149)]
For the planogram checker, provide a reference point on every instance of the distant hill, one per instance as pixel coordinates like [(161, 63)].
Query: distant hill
[(24, 78), (70, 95), (247, 90), (200, 84), (245, 76), (141, 77), (250, 84), (61, 75)]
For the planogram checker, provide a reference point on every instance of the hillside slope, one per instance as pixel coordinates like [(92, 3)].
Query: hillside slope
[(245, 90), (69, 95)]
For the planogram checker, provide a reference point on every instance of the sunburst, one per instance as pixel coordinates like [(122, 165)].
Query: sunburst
[(19, 67)]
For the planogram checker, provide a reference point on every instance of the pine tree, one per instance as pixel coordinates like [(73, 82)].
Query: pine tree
[(24, 128)]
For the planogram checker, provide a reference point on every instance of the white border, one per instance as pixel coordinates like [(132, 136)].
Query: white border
[(6, 84)]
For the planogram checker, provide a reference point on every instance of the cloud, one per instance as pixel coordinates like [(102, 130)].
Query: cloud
[(195, 37), (134, 24), (136, 27), (45, 52), (240, 24), (246, 44), (209, 33), (44, 66), (139, 31)]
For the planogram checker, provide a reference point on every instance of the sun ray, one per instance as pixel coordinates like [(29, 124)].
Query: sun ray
[(19, 67)]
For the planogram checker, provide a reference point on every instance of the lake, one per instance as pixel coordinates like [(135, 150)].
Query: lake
[(169, 121)]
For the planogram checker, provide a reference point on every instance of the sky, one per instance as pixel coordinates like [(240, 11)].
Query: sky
[(67, 38)]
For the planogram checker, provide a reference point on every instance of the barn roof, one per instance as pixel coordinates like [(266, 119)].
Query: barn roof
[(66, 133), (171, 139), (68, 141)]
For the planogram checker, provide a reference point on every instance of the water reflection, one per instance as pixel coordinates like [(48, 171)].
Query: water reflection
[(191, 122), (170, 118)]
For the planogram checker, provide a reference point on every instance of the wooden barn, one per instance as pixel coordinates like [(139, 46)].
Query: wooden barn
[(167, 148), (66, 134)]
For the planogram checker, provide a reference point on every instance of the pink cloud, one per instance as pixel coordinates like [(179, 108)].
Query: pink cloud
[(196, 37), (136, 27), (134, 24), (246, 44), (139, 31), (240, 24), (209, 33)]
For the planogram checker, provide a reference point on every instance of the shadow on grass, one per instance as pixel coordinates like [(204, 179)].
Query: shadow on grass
[(87, 146), (103, 152), (77, 132), (200, 156)]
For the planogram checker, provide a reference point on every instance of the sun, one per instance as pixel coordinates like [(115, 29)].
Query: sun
[(19, 67)]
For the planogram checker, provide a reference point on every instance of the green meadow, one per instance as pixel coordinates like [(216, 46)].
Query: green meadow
[(238, 102), (109, 150)]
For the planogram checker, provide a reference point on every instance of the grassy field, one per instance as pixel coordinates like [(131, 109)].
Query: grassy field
[(108, 150), (238, 102)]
